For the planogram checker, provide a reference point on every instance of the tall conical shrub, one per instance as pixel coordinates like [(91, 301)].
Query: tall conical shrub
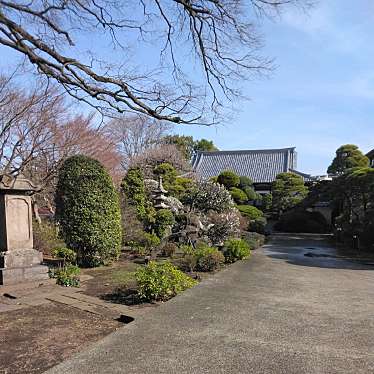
[(88, 211)]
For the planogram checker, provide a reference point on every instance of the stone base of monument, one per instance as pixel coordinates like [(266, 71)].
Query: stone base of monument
[(20, 266)]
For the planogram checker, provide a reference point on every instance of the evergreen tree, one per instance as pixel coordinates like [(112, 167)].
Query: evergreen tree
[(347, 156), (288, 190), (88, 211)]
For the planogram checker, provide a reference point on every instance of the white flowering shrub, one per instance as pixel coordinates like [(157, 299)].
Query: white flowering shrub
[(222, 226), (174, 204), (209, 196)]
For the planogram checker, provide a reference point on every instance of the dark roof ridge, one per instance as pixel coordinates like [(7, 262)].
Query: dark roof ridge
[(304, 175), (370, 153), (243, 151)]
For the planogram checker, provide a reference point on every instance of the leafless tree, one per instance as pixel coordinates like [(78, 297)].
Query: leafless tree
[(28, 122), (220, 35), (38, 132), (136, 134), (164, 153)]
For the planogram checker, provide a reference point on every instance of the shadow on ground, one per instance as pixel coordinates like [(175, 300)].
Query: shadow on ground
[(315, 251), (124, 296)]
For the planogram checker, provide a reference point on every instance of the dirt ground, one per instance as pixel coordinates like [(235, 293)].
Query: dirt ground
[(106, 281), (36, 338), (31, 341)]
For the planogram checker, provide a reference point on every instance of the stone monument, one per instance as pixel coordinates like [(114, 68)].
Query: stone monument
[(19, 261)]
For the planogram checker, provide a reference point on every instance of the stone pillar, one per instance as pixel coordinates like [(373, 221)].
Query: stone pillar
[(19, 261)]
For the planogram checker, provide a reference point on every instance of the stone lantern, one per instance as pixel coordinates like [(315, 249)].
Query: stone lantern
[(19, 261), (159, 197)]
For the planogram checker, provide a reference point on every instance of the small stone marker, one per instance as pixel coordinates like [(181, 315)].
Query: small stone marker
[(19, 261)]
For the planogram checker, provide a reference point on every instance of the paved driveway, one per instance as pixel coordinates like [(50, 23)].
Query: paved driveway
[(292, 308)]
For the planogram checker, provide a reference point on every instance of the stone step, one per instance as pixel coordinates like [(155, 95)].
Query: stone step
[(9, 276), (30, 288), (92, 305), (18, 258)]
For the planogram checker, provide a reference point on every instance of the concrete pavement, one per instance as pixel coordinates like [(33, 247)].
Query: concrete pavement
[(292, 308)]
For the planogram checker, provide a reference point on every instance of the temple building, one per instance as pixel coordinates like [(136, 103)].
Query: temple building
[(370, 156), (262, 166)]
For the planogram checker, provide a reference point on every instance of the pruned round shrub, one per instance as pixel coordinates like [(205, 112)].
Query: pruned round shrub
[(180, 187), (228, 179), (245, 182), (236, 249), (252, 195), (239, 196), (249, 211), (161, 281), (208, 258), (87, 209)]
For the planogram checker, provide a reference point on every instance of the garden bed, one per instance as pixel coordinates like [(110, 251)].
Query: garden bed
[(116, 283)]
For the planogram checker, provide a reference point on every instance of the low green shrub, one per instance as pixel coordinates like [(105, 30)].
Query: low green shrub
[(151, 241), (249, 211), (236, 249), (145, 243), (67, 276), (137, 247), (253, 239), (187, 249), (189, 260), (164, 220), (161, 281), (258, 225), (67, 254), (208, 258)]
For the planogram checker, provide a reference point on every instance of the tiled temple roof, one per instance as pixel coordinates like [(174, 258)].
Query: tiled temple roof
[(262, 165)]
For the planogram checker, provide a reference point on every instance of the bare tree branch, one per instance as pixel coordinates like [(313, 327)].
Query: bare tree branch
[(134, 135), (221, 35)]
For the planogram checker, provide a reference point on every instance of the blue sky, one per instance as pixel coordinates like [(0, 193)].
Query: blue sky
[(321, 94)]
